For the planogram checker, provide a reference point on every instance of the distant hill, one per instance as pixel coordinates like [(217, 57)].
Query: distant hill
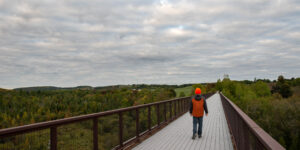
[(3, 89), (110, 87), (49, 88), (37, 88)]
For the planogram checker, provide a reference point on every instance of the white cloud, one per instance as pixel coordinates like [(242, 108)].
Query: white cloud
[(70, 43)]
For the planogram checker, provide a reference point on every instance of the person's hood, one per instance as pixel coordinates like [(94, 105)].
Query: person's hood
[(198, 97)]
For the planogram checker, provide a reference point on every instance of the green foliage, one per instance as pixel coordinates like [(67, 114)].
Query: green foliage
[(219, 85), (181, 94), (276, 114), (285, 90), (296, 82), (282, 87), (19, 107), (261, 89), (282, 142), (186, 90), (211, 88), (190, 90)]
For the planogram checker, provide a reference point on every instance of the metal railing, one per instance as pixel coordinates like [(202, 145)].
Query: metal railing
[(247, 135), (176, 107)]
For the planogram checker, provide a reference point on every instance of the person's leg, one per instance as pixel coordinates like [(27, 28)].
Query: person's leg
[(194, 127), (197, 124), (200, 126)]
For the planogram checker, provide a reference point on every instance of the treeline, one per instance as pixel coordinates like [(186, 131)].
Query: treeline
[(272, 105), (110, 87)]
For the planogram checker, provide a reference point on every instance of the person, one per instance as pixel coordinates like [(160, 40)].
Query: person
[(197, 108)]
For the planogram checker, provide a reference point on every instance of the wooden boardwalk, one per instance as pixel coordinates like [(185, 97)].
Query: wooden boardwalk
[(178, 134)]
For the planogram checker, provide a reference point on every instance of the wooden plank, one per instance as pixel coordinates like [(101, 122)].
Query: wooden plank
[(167, 142), (183, 142), (210, 140), (207, 130), (178, 134), (206, 125), (226, 133), (224, 136), (184, 133)]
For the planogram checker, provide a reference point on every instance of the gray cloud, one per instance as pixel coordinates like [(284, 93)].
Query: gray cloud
[(70, 43)]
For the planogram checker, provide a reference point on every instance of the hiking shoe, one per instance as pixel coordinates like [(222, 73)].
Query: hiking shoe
[(199, 136), (194, 136)]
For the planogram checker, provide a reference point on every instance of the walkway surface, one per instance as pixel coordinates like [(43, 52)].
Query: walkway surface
[(178, 134)]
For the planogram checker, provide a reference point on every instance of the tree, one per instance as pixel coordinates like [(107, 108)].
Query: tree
[(280, 79), (181, 94), (219, 85), (282, 87), (261, 89), (210, 88), (172, 93), (285, 90)]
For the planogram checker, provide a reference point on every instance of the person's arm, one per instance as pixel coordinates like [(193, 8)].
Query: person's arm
[(205, 107), (191, 107)]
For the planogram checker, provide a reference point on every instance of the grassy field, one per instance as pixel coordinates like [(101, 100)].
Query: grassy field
[(186, 90)]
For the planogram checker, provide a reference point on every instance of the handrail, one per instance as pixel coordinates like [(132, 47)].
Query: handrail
[(246, 133), (58, 122), (180, 106)]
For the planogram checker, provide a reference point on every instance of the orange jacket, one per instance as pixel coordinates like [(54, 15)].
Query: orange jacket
[(198, 106)]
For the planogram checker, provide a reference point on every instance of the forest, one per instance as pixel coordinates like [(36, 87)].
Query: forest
[(274, 105), (21, 107)]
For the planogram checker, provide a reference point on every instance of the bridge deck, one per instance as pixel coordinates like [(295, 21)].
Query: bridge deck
[(177, 135)]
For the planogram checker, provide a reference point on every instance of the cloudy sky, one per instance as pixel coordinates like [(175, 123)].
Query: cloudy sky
[(104, 42)]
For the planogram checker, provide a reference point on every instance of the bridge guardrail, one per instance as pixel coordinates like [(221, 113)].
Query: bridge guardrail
[(176, 108), (247, 135)]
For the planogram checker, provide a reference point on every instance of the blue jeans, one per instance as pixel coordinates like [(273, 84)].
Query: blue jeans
[(197, 120)]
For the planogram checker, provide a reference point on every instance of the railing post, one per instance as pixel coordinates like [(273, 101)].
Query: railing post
[(188, 104), (181, 105), (95, 133), (247, 140), (178, 107), (53, 138), (158, 119), (175, 112), (121, 129), (184, 105), (149, 118), (183, 101), (179, 111), (165, 111), (137, 124), (170, 110)]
